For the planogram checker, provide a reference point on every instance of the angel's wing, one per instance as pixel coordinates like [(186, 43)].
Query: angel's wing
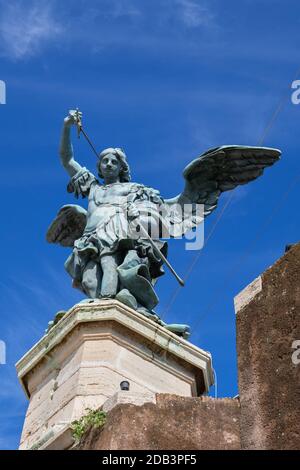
[(68, 225), (217, 170)]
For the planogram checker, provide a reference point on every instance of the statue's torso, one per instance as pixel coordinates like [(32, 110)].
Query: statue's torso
[(105, 201)]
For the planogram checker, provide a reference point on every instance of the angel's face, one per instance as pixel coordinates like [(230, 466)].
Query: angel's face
[(110, 167)]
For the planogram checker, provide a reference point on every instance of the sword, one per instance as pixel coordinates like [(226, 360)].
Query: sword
[(80, 130), (159, 253)]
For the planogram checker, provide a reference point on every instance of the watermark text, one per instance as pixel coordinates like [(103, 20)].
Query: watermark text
[(2, 352), (2, 92), (296, 353), (296, 94)]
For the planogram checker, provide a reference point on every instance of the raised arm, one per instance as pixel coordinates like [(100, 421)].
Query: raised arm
[(66, 149)]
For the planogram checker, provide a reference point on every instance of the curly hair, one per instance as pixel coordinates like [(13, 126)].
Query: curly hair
[(125, 176)]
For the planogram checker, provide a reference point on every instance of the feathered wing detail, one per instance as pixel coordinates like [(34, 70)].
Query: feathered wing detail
[(217, 170), (68, 225)]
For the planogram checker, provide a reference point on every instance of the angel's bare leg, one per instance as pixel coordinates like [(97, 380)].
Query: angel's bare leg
[(110, 279), (91, 279)]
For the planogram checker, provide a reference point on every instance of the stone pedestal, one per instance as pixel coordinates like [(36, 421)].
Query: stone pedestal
[(81, 362)]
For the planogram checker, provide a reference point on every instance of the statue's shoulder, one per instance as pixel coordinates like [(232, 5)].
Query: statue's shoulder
[(146, 192), (82, 182)]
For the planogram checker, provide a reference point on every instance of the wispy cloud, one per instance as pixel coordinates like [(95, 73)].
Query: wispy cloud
[(26, 27), (195, 13)]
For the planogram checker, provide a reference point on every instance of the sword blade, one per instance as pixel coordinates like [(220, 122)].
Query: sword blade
[(161, 255)]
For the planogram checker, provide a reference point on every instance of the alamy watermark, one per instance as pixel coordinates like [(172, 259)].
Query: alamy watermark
[(296, 353), (296, 94), (144, 220), (2, 92), (2, 352)]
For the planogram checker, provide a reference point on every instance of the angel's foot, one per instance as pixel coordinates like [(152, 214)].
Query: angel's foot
[(183, 331), (180, 330), (149, 314), (127, 298)]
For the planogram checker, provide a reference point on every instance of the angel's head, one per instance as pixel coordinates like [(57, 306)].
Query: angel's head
[(113, 166)]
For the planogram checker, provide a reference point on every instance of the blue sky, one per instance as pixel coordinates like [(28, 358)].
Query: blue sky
[(165, 80)]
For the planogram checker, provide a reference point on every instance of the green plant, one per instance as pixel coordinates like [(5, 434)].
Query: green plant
[(94, 418)]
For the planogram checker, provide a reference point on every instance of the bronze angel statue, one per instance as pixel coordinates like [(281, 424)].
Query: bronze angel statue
[(108, 258)]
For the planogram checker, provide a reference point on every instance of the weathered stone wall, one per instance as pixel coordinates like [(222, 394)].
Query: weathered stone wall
[(268, 322), (172, 423)]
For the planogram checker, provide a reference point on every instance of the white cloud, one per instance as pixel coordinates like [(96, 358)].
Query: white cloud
[(194, 13), (25, 27)]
